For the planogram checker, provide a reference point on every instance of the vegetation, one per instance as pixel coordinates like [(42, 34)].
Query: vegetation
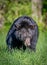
[(9, 11), (18, 57)]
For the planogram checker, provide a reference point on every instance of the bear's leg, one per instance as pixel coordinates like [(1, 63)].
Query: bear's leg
[(24, 47), (9, 43)]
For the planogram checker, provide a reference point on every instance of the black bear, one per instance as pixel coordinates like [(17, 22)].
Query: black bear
[(23, 33)]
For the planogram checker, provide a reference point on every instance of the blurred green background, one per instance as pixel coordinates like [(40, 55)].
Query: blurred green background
[(9, 11)]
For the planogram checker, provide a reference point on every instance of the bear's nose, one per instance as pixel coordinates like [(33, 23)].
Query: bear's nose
[(27, 42)]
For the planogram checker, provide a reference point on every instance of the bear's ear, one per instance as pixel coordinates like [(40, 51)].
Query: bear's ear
[(32, 27)]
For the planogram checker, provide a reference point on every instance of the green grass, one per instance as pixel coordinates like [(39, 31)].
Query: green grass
[(18, 57)]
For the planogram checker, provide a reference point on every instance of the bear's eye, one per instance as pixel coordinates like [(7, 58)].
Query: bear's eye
[(32, 27), (17, 27)]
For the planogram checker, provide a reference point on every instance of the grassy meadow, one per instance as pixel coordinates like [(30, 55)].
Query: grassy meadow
[(18, 57)]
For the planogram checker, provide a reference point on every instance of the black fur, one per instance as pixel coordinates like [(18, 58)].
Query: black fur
[(22, 28)]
